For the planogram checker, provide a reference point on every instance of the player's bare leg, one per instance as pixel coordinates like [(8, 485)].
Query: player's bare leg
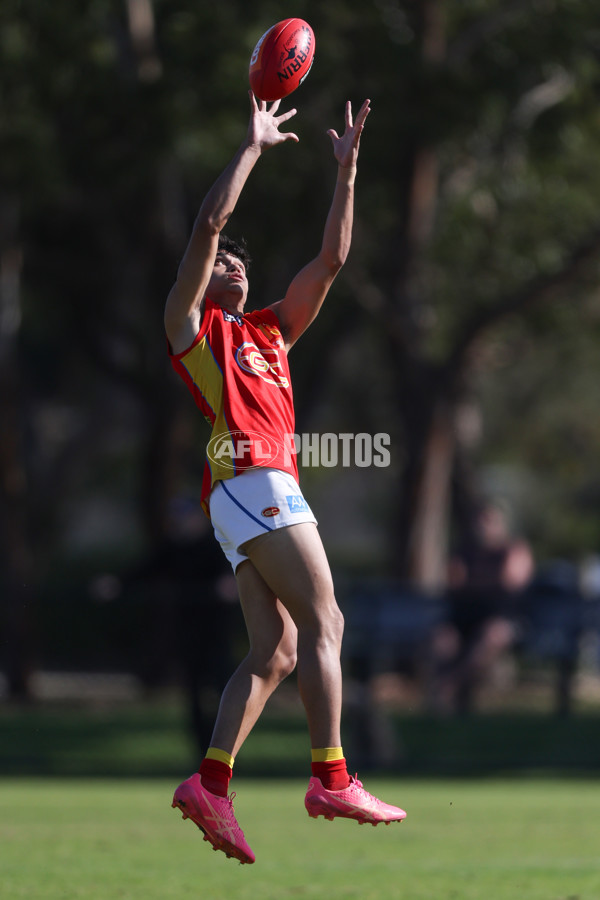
[(293, 563), (271, 658), (287, 597)]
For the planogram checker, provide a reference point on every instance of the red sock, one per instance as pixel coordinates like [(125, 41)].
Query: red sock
[(333, 774), (215, 776)]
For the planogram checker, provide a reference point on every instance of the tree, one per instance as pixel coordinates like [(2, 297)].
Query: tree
[(476, 236), (492, 222)]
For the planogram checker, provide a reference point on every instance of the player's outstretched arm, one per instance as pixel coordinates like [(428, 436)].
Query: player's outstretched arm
[(309, 288), (183, 309)]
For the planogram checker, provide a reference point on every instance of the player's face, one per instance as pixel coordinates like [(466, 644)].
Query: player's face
[(228, 276)]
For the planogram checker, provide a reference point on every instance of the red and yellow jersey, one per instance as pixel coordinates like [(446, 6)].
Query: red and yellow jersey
[(237, 371)]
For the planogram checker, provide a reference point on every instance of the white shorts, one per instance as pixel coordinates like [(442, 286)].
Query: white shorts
[(259, 501)]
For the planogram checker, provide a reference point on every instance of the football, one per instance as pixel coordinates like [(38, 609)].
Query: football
[(282, 59)]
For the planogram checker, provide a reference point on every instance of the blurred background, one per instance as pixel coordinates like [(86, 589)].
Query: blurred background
[(465, 325)]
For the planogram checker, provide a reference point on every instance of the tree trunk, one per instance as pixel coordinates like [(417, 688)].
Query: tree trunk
[(429, 512), (15, 555), (424, 401)]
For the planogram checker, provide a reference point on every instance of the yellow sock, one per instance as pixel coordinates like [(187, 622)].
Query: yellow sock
[(326, 754), (220, 756)]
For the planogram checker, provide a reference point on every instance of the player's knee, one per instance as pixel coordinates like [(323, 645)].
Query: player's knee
[(275, 665), (339, 622), (320, 621), (282, 663)]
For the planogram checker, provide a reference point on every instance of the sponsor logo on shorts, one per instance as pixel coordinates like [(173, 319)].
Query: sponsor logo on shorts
[(297, 504), (270, 511)]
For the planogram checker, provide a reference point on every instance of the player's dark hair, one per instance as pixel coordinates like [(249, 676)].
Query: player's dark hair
[(236, 248)]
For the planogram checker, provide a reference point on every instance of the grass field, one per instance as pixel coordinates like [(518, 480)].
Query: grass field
[(530, 839)]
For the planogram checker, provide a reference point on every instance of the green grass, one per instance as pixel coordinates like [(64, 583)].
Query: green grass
[(463, 840)]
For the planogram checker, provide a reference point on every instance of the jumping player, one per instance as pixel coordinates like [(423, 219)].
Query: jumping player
[(235, 365)]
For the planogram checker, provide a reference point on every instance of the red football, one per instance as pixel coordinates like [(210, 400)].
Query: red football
[(282, 59)]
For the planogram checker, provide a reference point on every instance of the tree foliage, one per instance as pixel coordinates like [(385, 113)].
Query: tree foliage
[(471, 284)]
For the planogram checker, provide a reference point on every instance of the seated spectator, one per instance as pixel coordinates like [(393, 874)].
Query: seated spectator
[(485, 579)]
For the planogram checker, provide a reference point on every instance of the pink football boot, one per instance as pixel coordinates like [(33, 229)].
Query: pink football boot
[(215, 817), (351, 803)]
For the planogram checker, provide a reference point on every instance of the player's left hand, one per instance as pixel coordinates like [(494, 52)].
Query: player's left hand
[(263, 128), (345, 148)]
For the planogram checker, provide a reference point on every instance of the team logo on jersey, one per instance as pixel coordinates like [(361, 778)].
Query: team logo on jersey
[(270, 511), (265, 363), (239, 450)]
